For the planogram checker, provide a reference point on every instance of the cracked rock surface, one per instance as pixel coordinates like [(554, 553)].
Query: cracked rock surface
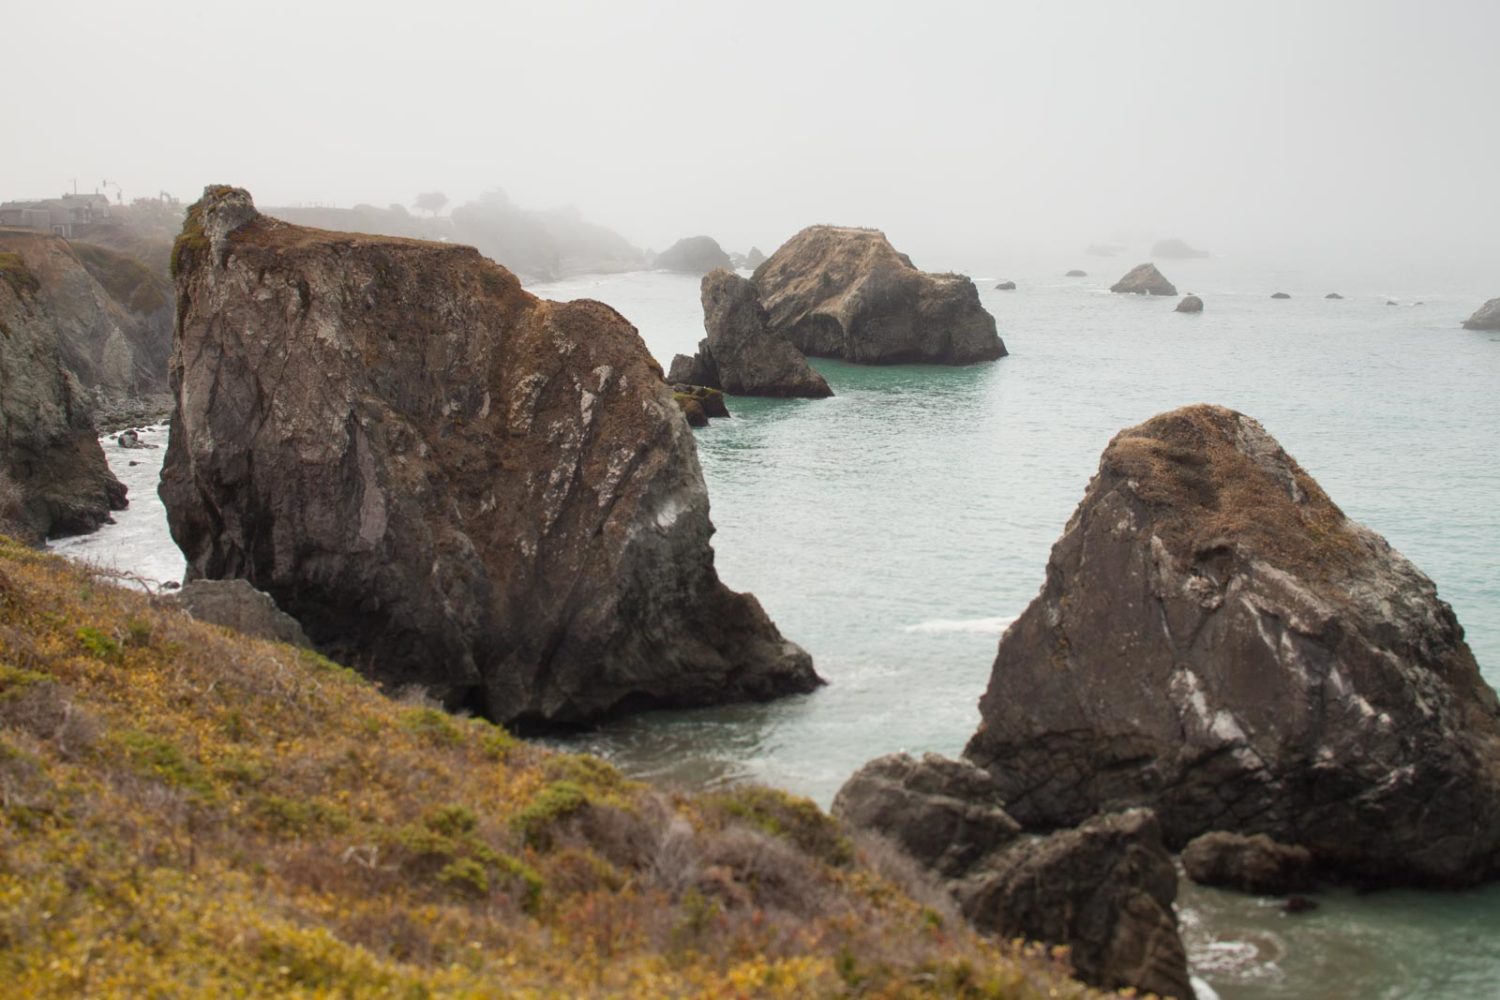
[(446, 480), (1217, 641)]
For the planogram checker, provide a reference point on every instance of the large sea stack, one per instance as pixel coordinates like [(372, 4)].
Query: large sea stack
[(56, 481), (1144, 279), (692, 255), (1217, 641), (839, 292), (1486, 318), (446, 480), (741, 355)]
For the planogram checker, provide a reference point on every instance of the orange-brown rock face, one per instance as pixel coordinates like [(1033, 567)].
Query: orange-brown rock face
[(446, 480)]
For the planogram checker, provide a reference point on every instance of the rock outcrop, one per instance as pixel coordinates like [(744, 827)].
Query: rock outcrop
[(1333, 295), (59, 481), (1005, 286), (1217, 641), (741, 355), (448, 481), (699, 403), (1255, 864), (1176, 250), (755, 258), (1104, 890), (1190, 304), (1280, 295), (840, 292), (692, 255), (1144, 279), (1486, 318), (237, 605)]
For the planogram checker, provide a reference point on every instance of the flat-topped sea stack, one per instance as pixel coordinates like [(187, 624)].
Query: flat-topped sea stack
[(1486, 318), (448, 481), (692, 255), (1217, 641), (841, 292), (741, 354), (1144, 279), (53, 476)]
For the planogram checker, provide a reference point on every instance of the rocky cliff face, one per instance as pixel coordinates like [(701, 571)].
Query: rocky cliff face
[(49, 450), (838, 292), (1216, 640), (741, 355), (1487, 317), (446, 480)]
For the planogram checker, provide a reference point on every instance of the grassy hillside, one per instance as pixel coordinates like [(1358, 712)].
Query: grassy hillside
[(187, 812)]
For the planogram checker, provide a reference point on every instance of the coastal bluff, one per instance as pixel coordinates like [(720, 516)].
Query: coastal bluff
[(447, 481)]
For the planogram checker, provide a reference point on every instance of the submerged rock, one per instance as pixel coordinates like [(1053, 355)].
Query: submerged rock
[(1255, 864), (840, 292), (1144, 279), (741, 355), (1190, 304), (1104, 889), (692, 255), (448, 481), (1217, 641), (53, 474), (1176, 250), (1486, 318)]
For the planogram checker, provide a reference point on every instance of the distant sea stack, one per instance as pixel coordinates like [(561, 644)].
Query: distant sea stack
[(693, 255), (54, 479), (1190, 304), (448, 481), (1005, 286), (1075, 273), (1333, 295), (1487, 318), (741, 354), (1280, 295), (755, 258), (1176, 250), (841, 292), (1215, 640), (1144, 279)]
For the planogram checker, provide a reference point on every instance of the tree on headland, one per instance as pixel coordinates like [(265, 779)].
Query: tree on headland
[(432, 202)]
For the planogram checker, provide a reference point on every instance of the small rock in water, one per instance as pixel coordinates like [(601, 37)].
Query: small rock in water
[(1075, 273), (1190, 304), (1333, 295), (1006, 286), (1300, 904), (1280, 295), (129, 439)]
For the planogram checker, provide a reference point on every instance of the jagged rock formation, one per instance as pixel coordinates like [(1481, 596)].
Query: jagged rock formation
[(755, 258), (237, 605), (839, 292), (446, 480), (1217, 641), (1005, 286), (1144, 279), (1486, 318), (1255, 864), (692, 255), (741, 355), (1190, 304), (1104, 889), (1175, 249), (58, 480)]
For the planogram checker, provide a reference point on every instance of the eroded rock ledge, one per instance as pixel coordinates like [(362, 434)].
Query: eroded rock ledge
[(448, 481)]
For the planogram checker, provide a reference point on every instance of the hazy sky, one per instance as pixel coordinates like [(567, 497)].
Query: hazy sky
[(955, 127)]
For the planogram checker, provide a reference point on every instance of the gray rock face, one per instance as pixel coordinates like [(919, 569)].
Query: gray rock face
[(1190, 304), (693, 255), (446, 480), (237, 605), (944, 813), (1175, 249), (1255, 864), (1104, 889), (51, 456), (1487, 318), (740, 354), (838, 292), (1144, 279), (1217, 641)]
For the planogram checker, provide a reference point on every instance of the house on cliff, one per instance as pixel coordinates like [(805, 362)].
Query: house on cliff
[(59, 216)]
